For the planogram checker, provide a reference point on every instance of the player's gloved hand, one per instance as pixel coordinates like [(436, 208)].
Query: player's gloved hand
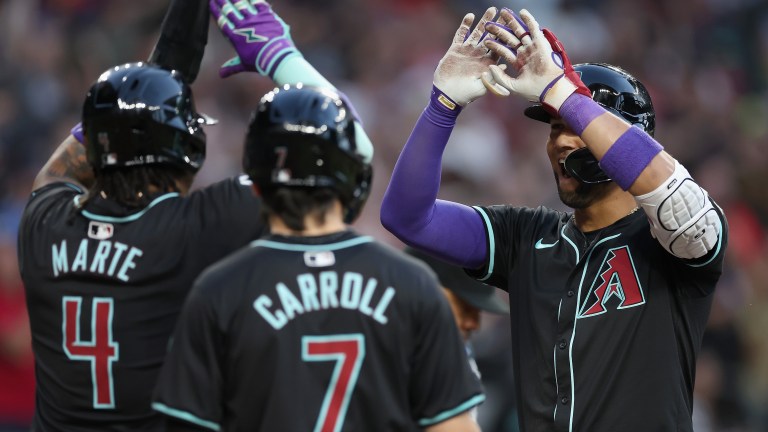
[(260, 37), (544, 71), (458, 73)]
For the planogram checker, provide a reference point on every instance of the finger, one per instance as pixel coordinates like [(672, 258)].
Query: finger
[(245, 6), (463, 30), (510, 16), (502, 51), (231, 67), (230, 11), (518, 27), (501, 78), (260, 5), (221, 20), (532, 24), (492, 85), (503, 35), (477, 33)]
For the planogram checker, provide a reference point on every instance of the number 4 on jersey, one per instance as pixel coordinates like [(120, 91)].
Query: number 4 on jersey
[(101, 351), (348, 352)]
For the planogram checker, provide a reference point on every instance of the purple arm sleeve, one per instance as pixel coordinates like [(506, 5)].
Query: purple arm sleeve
[(410, 209), (77, 132)]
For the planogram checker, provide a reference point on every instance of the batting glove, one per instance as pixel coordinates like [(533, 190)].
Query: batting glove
[(260, 37), (459, 71), (544, 71)]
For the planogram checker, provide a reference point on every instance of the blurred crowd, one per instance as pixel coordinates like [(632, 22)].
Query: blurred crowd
[(705, 63)]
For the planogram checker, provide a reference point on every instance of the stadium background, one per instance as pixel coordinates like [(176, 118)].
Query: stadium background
[(705, 63)]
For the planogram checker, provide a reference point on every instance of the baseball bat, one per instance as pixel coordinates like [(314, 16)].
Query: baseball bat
[(183, 36)]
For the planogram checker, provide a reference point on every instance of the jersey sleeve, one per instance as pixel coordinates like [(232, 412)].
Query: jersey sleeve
[(499, 224), (44, 203), (190, 384), (226, 210), (444, 384)]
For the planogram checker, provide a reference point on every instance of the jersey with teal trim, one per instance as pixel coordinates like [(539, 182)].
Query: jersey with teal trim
[(332, 333), (606, 325), (104, 289)]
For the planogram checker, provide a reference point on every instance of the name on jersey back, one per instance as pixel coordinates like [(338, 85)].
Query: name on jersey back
[(113, 259), (325, 290)]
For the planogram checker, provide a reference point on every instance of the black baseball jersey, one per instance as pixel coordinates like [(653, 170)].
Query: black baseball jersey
[(606, 325), (104, 288), (328, 333)]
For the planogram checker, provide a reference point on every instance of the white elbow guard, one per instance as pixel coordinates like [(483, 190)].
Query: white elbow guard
[(682, 217)]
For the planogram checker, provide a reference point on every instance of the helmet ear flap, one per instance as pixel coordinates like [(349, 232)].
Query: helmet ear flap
[(359, 195)]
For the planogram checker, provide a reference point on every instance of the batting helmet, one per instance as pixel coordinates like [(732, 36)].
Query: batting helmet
[(618, 92), (139, 114), (302, 136)]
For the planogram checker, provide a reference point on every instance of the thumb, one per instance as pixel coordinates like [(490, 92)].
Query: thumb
[(492, 86), (502, 78), (231, 67)]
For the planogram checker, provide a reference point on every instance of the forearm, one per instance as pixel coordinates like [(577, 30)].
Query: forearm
[(410, 209), (68, 163), (627, 154), (297, 69)]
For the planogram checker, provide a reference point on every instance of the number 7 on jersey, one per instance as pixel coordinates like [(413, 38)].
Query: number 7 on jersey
[(348, 351)]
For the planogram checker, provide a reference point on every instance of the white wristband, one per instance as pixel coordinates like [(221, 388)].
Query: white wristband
[(556, 95)]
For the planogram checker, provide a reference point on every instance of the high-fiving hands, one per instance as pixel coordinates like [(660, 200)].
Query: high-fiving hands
[(544, 72)]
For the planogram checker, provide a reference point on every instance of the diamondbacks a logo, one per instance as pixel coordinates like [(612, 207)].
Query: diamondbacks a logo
[(617, 278)]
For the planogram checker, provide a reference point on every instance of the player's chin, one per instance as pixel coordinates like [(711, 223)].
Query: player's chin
[(565, 183), (583, 195)]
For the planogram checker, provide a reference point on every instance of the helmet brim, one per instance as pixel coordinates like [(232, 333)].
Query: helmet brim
[(537, 112)]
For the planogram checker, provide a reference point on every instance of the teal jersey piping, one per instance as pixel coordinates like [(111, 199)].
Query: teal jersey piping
[(124, 219), (312, 248), (183, 415)]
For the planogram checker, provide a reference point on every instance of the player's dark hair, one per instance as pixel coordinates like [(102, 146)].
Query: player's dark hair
[(293, 205), (136, 187)]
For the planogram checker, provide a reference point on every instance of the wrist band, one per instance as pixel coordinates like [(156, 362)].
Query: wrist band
[(556, 93), (578, 111), (442, 110), (629, 156), (272, 54), (77, 132)]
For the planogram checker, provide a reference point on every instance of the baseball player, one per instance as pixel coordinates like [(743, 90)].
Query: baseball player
[(466, 296), (608, 302), (315, 327), (110, 242)]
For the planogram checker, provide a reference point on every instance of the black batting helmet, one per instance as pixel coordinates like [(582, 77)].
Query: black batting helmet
[(618, 92), (305, 137), (139, 114)]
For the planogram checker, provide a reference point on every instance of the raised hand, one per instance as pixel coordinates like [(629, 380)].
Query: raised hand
[(459, 71), (544, 72), (260, 37)]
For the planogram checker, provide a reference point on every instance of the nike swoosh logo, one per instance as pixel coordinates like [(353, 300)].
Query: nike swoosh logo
[(540, 245)]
